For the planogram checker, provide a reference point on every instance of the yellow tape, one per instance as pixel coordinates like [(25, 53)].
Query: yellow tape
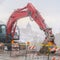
[(31, 44)]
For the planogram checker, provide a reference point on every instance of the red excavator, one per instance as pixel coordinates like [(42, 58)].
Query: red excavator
[(7, 32)]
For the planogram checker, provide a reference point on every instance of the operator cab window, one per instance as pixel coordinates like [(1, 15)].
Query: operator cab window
[(3, 29)]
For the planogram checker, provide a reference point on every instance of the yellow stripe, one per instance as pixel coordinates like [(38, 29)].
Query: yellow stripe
[(37, 44)]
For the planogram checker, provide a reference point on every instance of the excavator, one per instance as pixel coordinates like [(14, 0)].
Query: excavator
[(7, 32)]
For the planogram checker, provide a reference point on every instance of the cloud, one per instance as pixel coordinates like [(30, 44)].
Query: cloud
[(1, 1)]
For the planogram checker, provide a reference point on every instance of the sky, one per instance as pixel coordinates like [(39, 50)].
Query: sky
[(49, 9)]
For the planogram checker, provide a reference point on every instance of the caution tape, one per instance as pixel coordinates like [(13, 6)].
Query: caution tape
[(48, 45), (41, 44), (14, 43)]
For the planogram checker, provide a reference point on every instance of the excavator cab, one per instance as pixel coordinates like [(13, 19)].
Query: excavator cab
[(2, 33)]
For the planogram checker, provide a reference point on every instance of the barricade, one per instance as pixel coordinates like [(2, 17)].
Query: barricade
[(30, 53), (18, 49)]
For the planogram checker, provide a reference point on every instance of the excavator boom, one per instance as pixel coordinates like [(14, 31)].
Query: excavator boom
[(31, 11), (27, 11)]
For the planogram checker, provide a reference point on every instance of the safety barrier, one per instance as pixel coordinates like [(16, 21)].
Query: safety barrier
[(27, 54)]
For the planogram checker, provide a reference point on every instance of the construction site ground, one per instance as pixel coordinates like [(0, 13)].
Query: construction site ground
[(23, 55)]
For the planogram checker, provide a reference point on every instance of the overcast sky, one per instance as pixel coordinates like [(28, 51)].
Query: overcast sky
[(49, 9)]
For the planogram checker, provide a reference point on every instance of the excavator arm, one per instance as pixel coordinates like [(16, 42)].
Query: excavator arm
[(31, 11)]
